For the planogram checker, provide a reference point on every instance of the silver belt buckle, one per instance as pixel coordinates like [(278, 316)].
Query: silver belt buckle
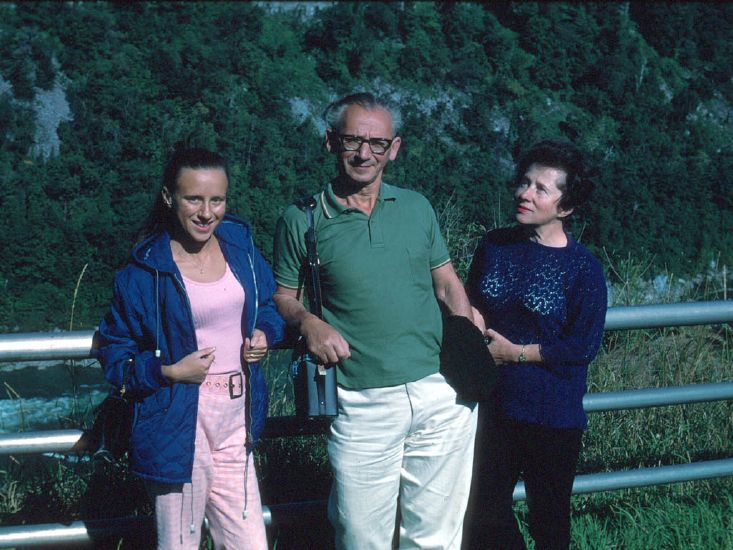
[(231, 385)]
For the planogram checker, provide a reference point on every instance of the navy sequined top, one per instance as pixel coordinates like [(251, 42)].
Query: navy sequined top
[(554, 297)]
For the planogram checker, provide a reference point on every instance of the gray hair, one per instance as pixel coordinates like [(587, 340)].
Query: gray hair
[(334, 112)]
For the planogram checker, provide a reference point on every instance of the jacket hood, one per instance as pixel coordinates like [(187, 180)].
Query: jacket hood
[(154, 252)]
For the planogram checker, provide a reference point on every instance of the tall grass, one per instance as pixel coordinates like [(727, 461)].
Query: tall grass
[(696, 524), (678, 516)]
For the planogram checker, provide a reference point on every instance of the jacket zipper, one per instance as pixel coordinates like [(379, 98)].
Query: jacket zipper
[(249, 440), (182, 289)]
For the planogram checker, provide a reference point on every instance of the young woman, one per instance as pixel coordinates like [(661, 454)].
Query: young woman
[(192, 313), (542, 298)]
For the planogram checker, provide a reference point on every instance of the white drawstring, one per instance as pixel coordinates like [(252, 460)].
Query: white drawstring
[(246, 470), (180, 526), (157, 315), (192, 527)]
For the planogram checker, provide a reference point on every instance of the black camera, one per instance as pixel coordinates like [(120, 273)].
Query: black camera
[(314, 387)]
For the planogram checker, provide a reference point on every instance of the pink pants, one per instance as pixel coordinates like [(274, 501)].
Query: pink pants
[(221, 467)]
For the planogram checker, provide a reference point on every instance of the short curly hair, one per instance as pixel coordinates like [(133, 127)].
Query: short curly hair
[(563, 155)]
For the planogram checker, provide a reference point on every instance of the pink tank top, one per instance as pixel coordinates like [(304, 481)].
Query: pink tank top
[(217, 317)]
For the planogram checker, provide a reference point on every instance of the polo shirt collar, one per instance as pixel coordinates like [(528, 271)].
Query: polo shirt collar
[(332, 207)]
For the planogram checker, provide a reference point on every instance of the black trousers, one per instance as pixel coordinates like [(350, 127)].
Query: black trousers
[(545, 458)]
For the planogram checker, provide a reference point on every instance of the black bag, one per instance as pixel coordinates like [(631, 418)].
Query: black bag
[(465, 361), (112, 428), (314, 385)]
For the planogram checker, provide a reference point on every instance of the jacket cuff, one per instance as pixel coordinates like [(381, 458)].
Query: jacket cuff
[(154, 366), (272, 334)]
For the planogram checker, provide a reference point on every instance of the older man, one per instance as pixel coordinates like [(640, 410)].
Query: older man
[(402, 435)]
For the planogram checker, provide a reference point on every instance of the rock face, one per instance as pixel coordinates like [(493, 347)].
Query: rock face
[(51, 109)]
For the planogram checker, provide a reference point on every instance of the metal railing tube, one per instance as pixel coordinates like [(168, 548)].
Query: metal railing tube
[(644, 477), (44, 535), (40, 346), (665, 315), (655, 397), (64, 441), (294, 513), (90, 531), (77, 533), (49, 441), (31, 346)]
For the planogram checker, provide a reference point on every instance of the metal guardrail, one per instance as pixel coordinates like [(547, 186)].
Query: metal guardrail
[(77, 532), (48, 441), (657, 397), (64, 441), (90, 531), (67, 441), (644, 477), (40, 346), (80, 345), (94, 531), (668, 315), (87, 532)]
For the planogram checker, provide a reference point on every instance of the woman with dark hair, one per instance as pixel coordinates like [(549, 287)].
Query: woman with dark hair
[(191, 316), (540, 298)]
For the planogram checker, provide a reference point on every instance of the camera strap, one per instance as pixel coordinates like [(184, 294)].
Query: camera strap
[(315, 386), (312, 274)]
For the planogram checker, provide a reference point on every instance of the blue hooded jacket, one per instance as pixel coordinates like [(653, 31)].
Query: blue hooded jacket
[(150, 311)]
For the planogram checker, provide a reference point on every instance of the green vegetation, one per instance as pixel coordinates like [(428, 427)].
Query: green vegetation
[(92, 95)]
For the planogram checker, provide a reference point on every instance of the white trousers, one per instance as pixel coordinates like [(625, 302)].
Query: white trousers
[(412, 442)]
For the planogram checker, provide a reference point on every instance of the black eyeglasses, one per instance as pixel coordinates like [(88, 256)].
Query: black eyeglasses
[(378, 146)]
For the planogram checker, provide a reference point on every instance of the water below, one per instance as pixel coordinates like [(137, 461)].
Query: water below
[(49, 395)]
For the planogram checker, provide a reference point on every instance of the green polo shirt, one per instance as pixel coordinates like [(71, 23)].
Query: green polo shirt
[(376, 282)]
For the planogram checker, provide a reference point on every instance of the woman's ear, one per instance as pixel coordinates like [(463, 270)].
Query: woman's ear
[(167, 198), (561, 213)]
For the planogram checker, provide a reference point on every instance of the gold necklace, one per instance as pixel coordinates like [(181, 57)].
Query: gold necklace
[(199, 263), (201, 266)]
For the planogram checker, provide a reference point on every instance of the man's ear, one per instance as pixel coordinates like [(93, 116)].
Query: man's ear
[(332, 141), (395, 148)]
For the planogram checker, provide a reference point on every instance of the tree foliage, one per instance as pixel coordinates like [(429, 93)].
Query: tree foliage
[(644, 88)]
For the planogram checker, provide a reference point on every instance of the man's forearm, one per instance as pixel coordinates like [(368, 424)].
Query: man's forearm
[(450, 292), (455, 300), (325, 342), (291, 309)]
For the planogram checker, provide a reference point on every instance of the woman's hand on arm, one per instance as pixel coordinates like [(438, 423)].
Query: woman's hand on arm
[(192, 369), (255, 348)]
